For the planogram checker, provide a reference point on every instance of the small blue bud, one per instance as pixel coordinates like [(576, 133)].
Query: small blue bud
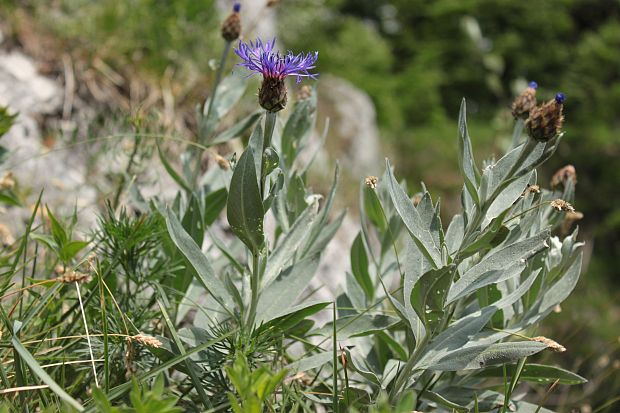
[(237, 7), (560, 98), (533, 85)]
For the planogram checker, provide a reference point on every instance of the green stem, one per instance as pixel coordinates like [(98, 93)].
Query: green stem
[(405, 373), (202, 137), (254, 283)]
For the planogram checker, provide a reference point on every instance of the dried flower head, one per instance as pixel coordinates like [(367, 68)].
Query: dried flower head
[(71, 276), (261, 58), (371, 181), (562, 205), (231, 27), (222, 162), (564, 175), (545, 121), (551, 344), (569, 220), (525, 102), (146, 340), (531, 189), (7, 181)]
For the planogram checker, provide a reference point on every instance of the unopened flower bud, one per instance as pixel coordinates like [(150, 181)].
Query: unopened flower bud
[(562, 176), (231, 27), (545, 122), (272, 94), (525, 102)]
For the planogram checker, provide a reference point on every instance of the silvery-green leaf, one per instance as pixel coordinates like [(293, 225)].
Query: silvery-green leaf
[(308, 363), (359, 267), (412, 219), (455, 233), (536, 373), (245, 205), (355, 293), (506, 198), (500, 259), (229, 91), (256, 145), (297, 128), (358, 325), (489, 277), (236, 130), (476, 357), (198, 260), (466, 156), (280, 295), (287, 247)]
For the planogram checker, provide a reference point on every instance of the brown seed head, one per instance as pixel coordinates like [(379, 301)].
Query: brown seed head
[(525, 102), (371, 181), (231, 27), (545, 121), (272, 94), (71, 276), (147, 340), (562, 176), (562, 205), (551, 344)]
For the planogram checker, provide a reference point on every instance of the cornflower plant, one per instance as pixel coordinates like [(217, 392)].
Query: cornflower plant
[(431, 318)]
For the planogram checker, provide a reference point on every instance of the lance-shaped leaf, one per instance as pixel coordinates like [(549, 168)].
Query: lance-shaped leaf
[(466, 156), (428, 296), (498, 260), (205, 272), (411, 217), (479, 356), (245, 207)]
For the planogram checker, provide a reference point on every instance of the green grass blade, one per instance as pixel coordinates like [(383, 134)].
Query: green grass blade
[(38, 370)]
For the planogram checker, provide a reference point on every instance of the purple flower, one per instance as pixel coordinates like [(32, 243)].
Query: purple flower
[(261, 58)]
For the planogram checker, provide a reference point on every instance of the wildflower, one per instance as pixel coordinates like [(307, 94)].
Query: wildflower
[(371, 182), (261, 58), (146, 340), (7, 181), (562, 176), (562, 205), (231, 27), (525, 102), (551, 344), (545, 122)]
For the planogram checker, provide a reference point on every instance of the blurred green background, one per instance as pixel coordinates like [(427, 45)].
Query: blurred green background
[(416, 59)]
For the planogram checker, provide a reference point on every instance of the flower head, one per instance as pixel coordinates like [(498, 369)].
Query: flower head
[(545, 121), (231, 26), (261, 58), (525, 102)]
